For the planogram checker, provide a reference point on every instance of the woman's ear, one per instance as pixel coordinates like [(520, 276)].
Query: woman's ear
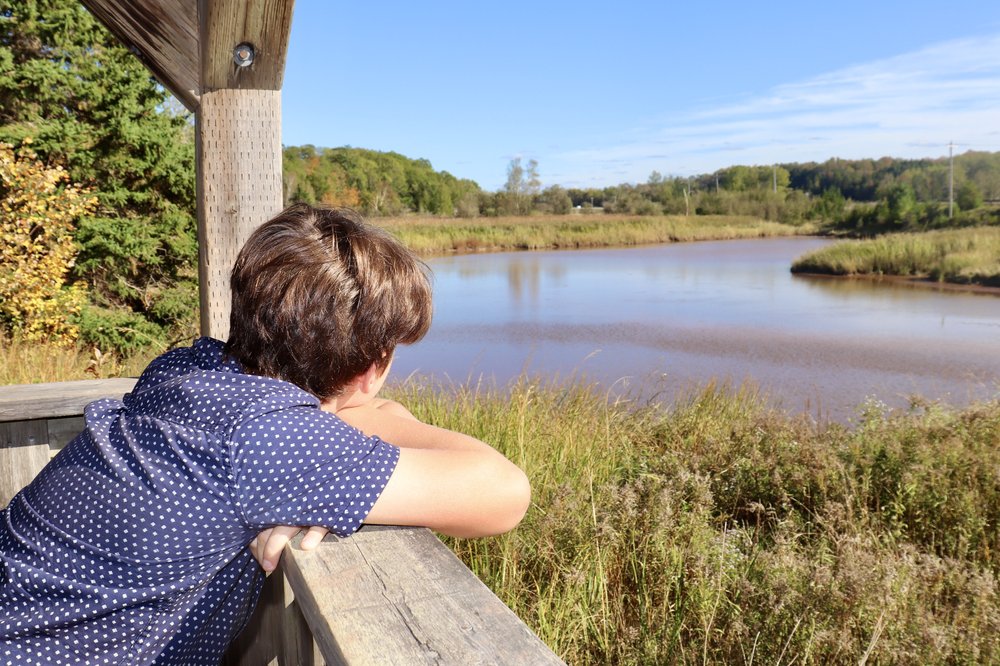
[(368, 379)]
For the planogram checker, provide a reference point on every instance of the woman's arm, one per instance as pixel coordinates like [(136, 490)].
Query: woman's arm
[(445, 480)]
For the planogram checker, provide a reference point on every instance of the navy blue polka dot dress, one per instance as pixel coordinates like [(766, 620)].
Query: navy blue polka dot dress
[(130, 547)]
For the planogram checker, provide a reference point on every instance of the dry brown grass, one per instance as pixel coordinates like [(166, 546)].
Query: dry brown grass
[(33, 363), (430, 235)]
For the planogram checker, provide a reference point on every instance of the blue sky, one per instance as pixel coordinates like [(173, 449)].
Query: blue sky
[(605, 93)]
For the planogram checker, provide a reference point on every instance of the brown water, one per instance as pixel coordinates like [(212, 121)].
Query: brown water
[(662, 320)]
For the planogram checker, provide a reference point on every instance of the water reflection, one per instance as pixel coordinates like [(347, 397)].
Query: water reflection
[(665, 318)]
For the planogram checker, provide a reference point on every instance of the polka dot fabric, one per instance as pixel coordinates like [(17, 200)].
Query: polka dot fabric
[(130, 547)]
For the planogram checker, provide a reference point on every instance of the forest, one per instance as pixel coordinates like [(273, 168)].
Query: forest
[(886, 194), (98, 196)]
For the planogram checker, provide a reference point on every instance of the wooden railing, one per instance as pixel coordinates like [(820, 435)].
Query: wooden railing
[(386, 595)]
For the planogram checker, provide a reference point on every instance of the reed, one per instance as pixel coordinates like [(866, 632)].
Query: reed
[(719, 531), (447, 235), (963, 256)]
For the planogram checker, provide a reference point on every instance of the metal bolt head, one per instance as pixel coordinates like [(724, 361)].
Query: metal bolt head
[(243, 55)]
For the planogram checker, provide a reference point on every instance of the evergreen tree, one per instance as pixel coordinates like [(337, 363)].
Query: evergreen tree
[(87, 104)]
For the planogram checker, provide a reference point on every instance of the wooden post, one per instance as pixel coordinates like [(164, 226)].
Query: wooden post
[(239, 187)]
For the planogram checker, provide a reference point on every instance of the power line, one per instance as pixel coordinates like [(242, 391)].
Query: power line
[(951, 177)]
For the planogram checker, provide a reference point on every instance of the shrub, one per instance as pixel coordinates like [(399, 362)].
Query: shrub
[(38, 207), (118, 330)]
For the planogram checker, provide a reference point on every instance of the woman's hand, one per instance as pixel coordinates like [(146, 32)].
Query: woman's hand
[(268, 545)]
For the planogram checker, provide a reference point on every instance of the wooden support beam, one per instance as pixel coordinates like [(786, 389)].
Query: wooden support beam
[(163, 34), (264, 24), (239, 187)]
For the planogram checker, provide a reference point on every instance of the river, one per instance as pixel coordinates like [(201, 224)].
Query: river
[(661, 321)]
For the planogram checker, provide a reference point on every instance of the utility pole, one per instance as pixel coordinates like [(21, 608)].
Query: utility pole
[(951, 177), (774, 177)]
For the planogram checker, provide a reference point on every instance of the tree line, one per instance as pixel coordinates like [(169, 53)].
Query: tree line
[(874, 195), (883, 194)]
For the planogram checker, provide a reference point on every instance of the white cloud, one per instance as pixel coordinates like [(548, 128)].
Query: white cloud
[(910, 105)]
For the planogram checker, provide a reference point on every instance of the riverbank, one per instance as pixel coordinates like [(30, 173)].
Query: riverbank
[(719, 531), (435, 236), (966, 257), (909, 281)]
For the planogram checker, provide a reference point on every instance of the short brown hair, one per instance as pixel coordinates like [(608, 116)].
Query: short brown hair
[(319, 296)]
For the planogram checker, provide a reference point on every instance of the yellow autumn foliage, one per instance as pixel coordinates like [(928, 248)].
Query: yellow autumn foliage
[(38, 207)]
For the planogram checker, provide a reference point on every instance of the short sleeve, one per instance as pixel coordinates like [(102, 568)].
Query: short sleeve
[(303, 466)]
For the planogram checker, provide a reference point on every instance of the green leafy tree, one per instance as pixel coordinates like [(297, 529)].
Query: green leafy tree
[(379, 183), (898, 204), (968, 196), (983, 169), (831, 205), (555, 200), (89, 106)]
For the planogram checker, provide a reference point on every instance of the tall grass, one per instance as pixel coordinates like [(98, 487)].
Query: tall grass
[(964, 256), (35, 362), (718, 531), (444, 235)]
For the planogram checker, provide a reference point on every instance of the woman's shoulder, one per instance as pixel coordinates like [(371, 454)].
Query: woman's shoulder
[(199, 384)]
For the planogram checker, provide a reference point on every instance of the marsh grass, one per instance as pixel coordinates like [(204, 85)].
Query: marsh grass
[(963, 256), (34, 362), (719, 531), (446, 235)]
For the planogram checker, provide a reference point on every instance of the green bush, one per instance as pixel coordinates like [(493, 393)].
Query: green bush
[(120, 331)]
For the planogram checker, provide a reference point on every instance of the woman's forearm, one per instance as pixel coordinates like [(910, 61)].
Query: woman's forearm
[(406, 431)]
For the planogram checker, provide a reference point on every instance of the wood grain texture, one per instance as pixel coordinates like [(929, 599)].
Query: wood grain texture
[(163, 34), (188, 44), (265, 24), (400, 596), (23, 402), (24, 451), (63, 430), (239, 188)]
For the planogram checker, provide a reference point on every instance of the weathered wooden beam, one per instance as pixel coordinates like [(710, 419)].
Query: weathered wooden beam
[(225, 24), (390, 595), (163, 34), (277, 633), (24, 450), (33, 417), (24, 402), (239, 187)]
